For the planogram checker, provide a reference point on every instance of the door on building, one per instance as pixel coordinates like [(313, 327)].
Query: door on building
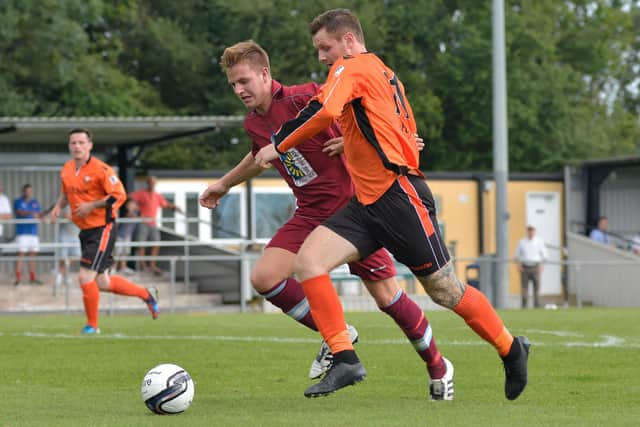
[(543, 212)]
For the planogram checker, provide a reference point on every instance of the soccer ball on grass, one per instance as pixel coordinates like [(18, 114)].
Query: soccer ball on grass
[(167, 389)]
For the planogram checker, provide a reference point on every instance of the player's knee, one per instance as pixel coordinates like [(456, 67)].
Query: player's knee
[(85, 276), (103, 286), (444, 290), (263, 279), (305, 267)]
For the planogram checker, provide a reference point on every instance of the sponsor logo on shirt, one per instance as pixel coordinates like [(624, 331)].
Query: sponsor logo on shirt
[(113, 179), (298, 167), (339, 71)]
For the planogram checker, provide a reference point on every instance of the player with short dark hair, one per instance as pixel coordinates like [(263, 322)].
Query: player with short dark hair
[(317, 175), (94, 193), (393, 208)]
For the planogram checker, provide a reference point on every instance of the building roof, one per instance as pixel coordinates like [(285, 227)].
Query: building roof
[(613, 161), (110, 130)]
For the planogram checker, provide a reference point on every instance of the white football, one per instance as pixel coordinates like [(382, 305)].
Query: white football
[(167, 389)]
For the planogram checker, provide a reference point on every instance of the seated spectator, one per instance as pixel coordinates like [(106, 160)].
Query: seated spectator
[(125, 235), (601, 234), (27, 207)]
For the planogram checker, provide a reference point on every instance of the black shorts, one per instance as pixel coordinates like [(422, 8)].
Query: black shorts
[(97, 245), (403, 220)]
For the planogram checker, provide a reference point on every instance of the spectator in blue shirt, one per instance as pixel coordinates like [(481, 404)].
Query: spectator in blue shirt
[(600, 233), (27, 207)]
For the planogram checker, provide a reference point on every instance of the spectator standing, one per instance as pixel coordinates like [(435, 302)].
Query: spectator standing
[(601, 233), (125, 235), (27, 207), (5, 212), (149, 201), (531, 254)]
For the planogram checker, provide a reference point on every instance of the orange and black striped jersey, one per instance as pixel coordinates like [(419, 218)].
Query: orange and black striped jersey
[(376, 120), (95, 180)]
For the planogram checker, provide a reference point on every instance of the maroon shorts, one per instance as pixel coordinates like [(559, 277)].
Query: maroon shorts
[(291, 235)]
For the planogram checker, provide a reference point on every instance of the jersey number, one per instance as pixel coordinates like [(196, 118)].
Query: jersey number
[(397, 97)]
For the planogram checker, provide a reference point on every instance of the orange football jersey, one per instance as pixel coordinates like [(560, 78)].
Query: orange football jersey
[(95, 180), (376, 120)]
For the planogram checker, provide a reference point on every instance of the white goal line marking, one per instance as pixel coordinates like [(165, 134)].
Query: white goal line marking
[(606, 341)]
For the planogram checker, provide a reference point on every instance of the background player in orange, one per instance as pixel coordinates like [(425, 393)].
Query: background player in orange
[(393, 208), (321, 184), (94, 194)]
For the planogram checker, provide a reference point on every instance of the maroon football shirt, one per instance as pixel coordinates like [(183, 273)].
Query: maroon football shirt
[(320, 183)]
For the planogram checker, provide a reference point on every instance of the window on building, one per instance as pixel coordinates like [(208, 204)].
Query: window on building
[(225, 219), (192, 214), (272, 209), (169, 214)]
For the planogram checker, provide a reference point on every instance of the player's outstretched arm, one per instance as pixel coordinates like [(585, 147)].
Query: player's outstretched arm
[(242, 172), (60, 204), (320, 112)]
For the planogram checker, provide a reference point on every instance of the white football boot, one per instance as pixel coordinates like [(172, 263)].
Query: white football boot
[(442, 389), (324, 358)]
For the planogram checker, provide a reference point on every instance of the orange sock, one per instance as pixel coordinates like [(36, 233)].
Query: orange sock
[(476, 310), (327, 313), (91, 300), (121, 286)]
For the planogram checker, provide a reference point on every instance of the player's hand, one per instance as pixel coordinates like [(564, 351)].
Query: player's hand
[(266, 155), (54, 214), (419, 142), (334, 146), (83, 209), (210, 198)]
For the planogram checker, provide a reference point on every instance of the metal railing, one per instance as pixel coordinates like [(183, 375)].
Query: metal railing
[(49, 256), (618, 277), (244, 286), (186, 242)]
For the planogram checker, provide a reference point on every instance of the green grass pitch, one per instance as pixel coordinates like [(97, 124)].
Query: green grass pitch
[(251, 370)]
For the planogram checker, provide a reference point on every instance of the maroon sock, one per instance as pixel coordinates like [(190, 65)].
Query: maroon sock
[(289, 297), (415, 326)]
